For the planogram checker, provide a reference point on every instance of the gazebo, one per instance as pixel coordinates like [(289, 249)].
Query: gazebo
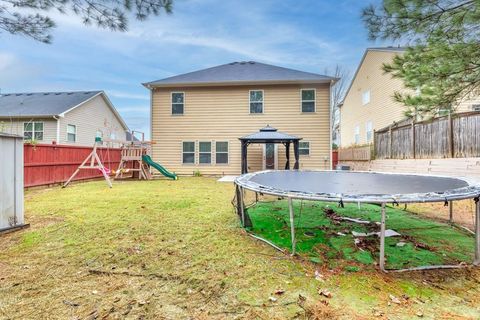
[(269, 134)]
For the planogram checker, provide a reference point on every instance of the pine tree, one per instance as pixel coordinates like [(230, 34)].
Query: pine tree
[(442, 61), (30, 17)]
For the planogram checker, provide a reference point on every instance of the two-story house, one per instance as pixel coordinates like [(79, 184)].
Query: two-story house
[(369, 105), (197, 118), (73, 118)]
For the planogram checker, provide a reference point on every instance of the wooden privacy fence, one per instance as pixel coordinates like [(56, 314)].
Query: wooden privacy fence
[(46, 164), (452, 136), (362, 153)]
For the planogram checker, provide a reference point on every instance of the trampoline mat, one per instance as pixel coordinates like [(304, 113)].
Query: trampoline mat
[(355, 183)]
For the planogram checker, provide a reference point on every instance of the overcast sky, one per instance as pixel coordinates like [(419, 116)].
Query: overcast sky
[(309, 35)]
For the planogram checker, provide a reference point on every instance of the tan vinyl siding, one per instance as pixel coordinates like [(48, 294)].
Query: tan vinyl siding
[(223, 114), (381, 110), (91, 116), (15, 126)]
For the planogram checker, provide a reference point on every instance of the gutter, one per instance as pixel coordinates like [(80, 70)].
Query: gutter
[(58, 128)]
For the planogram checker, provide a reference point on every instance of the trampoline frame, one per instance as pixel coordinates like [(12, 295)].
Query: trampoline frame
[(472, 191)]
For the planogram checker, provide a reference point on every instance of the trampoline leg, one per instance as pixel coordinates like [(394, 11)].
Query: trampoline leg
[(450, 209), (242, 210), (382, 239), (476, 262), (292, 226)]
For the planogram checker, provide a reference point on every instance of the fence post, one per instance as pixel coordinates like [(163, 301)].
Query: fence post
[(390, 154), (450, 135), (413, 138), (374, 153)]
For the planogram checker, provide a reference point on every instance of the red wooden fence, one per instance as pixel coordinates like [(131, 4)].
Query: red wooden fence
[(50, 164), (334, 159)]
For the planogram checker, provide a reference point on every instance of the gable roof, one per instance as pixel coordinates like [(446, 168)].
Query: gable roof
[(238, 73), (48, 104), (381, 49)]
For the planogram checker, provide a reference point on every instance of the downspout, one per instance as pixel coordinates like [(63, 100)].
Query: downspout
[(58, 128), (330, 123), (151, 112)]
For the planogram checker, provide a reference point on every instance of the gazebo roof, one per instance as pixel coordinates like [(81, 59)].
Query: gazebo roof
[(269, 134)]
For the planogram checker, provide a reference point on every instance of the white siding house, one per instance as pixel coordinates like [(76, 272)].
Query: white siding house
[(73, 118)]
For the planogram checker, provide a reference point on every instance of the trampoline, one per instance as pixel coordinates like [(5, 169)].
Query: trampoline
[(359, 187)]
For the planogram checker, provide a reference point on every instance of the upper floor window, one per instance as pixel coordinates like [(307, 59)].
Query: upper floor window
[(33, 131), (356, 135), (256, 101), (369, 131), (188, 152), (365, 97), (178, 102), (304, 148), (71, 133), (308, 100), (221, 152), (205, 152), (476, 107)]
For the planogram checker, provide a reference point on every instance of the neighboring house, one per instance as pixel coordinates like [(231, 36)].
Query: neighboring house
[(73, 118), (368, 104), (197, 118)]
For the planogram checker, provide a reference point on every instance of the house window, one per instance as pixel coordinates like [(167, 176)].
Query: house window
[(71, 133), (205, 152), (369, 131), (221, 152), (188, 151), (308, 100), (304, 148), (476, 107), (256, 101), (365, 97), (33, 131), (178, 100), (356, 135)]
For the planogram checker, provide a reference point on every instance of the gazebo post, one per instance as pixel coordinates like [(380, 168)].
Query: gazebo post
[(244, 156), (287, 150), (296, 152)]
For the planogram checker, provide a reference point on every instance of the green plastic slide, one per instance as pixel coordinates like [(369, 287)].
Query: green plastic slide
[(148, 160)]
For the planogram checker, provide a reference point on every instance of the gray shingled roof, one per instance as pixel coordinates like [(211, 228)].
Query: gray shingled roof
[(241, 73), (269, 133), (41, 103), (395, 49)]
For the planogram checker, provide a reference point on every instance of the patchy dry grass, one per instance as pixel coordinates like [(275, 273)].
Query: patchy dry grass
[(174, 250)]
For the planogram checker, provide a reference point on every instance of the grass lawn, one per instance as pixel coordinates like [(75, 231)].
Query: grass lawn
[(174, 250)]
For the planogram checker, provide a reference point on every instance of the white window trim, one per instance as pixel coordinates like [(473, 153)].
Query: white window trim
[(194, 153), (367, 131), (199, 153), (250, 101), (171, 103), (299, 148), (314, 100), (33, 130), (369, 97), (75, 133), (228, 153), (356, 131)]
